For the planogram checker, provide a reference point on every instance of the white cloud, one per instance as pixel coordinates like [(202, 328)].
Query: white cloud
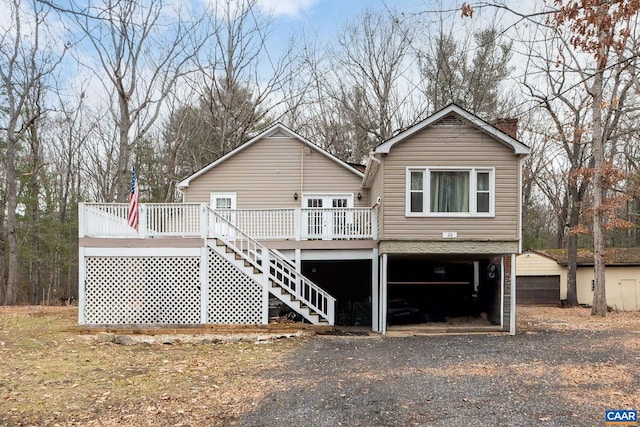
[(291, 8)]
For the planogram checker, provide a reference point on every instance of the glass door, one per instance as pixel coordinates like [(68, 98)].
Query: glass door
[(314, 218), (326, 216), (224, 204)]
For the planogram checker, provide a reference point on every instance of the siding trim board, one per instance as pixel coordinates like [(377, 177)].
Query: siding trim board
[(448, 247)]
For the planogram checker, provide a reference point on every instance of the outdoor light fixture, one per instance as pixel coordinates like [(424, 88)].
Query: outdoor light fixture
[(295, 196), (359, 196)]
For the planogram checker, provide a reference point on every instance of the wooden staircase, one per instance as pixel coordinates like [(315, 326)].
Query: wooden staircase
[(277, 274)]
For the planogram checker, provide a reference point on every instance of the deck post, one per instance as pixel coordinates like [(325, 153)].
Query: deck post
[(82, 276), (204, 232), (81, 219), (374, 223), (297, 224), (383, 295), (375, 296), (204, 284), (265, 267), (142, 221)]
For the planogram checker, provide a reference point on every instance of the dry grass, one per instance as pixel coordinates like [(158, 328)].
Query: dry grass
[(573, 318), (51, 376)]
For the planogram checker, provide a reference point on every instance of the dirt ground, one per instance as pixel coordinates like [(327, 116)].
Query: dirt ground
[(562, 368)]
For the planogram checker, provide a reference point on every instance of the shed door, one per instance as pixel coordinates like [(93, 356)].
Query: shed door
[(629, 294), (538, 290)]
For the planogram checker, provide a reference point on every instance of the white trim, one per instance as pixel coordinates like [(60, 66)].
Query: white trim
[(318, 195), (375, 296), (473, 188), (141, 252), (520, 201), (204, 284), (82, 279), (81, 219), (383, 294), (517, 146), (277, 127), (512, 313), (220, 195)]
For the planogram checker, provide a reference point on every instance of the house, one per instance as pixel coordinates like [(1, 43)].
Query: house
[(428, 231), (542, 277)]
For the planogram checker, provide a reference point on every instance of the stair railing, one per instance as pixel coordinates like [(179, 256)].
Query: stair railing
[(279, 270)]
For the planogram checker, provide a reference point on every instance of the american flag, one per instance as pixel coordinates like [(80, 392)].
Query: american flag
[(133, 201)]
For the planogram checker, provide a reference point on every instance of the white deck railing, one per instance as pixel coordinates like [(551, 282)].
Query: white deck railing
[(194, 220), (155, 220)]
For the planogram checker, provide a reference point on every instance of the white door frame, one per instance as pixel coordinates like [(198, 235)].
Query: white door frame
[(327, 216), (217, 228)]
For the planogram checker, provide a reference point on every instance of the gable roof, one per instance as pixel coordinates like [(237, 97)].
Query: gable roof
[(517, 146), (277, 130), (612, 256)]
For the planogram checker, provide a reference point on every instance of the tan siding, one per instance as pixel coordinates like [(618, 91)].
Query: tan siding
[(613, 287), (377, 190), (530, 264), (454, 147), (268, 173)]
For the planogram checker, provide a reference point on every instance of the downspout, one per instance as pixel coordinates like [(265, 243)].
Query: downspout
[(301, 172)]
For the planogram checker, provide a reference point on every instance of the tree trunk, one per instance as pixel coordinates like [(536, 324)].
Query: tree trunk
[(122, 180), (12, 203), (572, 249), (599, 296)]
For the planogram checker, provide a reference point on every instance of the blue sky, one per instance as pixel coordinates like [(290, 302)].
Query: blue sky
[(321, 19)]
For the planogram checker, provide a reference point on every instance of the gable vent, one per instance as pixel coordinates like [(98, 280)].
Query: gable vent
[(449, 120), (278, 134)]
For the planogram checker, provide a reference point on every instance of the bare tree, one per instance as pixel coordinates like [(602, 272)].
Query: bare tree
[(601, 29), (24, 66), (558, 93), (236, 91), (142, 49), (363, 81)]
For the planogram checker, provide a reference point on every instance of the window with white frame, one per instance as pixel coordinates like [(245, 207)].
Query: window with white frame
[(450, 191)]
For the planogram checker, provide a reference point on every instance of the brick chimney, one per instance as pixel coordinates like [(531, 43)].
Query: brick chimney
[(508, 126)]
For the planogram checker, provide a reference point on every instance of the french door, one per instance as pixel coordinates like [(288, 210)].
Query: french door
[(322, 223)]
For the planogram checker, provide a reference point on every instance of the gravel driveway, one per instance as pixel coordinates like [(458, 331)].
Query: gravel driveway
[(542, 378)]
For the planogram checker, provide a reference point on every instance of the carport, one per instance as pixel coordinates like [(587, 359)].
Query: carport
[(439, 288), (349, 281)]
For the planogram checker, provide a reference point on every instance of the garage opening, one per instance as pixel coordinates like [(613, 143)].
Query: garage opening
[(349, 282), (538, 290), (455, 290)]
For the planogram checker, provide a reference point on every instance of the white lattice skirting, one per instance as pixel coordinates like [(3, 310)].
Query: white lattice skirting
[(143, 288)]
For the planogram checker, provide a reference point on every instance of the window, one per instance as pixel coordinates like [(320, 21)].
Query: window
[(450, 192), (417, 191)]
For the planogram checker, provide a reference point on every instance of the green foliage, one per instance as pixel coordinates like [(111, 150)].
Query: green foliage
[(473, 82)]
